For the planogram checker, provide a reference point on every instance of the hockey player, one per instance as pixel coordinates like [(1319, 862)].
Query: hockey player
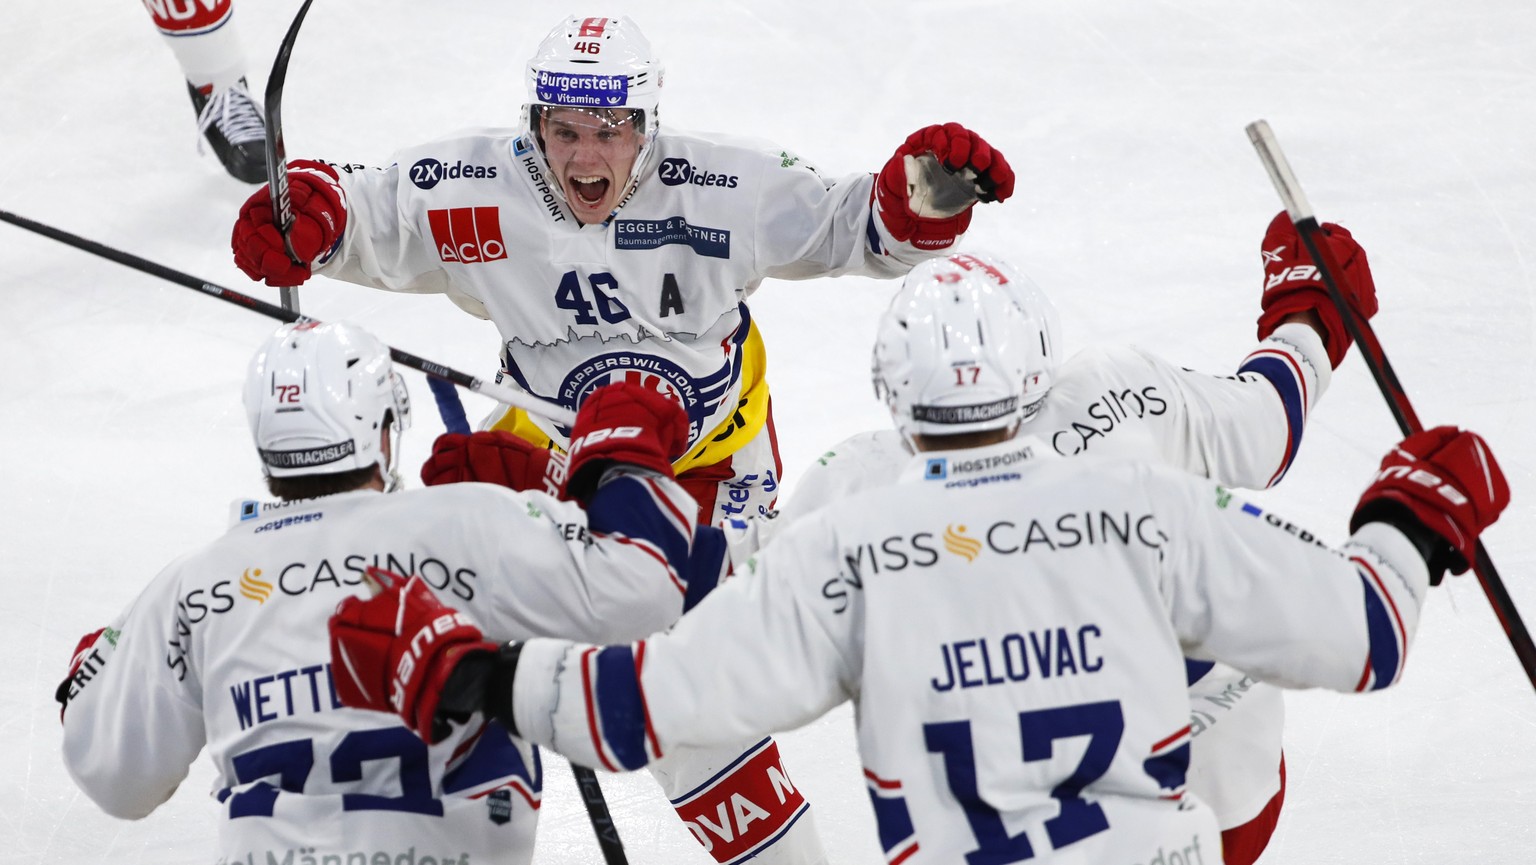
[(203, 37), (1242, 430), (605, 248), (226, 648), (1011, 625)]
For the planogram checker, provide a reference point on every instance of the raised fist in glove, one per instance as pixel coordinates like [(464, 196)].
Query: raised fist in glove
[(1292, 282), (1443, 480), (319, 217), (623, 423), (925, 191), (494, 457), (396, 651)]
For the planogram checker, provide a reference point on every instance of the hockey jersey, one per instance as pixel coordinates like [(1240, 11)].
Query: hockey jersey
[(227, 648), (1014, 648), (656, 295), (1241, 430)]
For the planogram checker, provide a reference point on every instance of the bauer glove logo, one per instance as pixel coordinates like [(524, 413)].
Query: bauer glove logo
[(1424, 479), (1299, 273), (595, 436), (405, 668)]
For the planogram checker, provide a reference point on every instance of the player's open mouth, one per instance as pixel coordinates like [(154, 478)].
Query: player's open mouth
[(590, 190)]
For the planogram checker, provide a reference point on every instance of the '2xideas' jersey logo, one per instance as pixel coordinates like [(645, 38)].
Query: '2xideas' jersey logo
[(429, 172), (677, 171)]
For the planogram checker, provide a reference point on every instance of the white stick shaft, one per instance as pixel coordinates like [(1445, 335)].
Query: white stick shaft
[(1279, 169), (527, 402)]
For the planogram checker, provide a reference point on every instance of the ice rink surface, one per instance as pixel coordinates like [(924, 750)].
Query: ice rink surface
[(1140, 209)]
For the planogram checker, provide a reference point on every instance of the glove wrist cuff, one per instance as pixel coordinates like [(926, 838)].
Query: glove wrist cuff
[(1438, 554)]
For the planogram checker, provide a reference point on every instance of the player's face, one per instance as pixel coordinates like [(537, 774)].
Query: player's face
[(591, 153)]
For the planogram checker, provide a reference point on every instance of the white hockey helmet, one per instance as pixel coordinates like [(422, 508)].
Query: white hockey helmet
[(318, 396), (594, 64), (968, 344)]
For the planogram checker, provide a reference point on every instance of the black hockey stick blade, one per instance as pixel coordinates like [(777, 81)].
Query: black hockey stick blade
[(1310, 232), (277, 152), (597, 811)]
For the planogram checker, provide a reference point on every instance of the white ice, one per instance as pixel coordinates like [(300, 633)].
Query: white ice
[(1140, 209)]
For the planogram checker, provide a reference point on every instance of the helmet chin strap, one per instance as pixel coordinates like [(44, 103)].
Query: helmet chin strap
[(642, 160), (389, 453)]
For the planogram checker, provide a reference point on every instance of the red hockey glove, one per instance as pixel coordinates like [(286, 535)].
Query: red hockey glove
[(623, 423), (928, 207), (81, 659), (1293, 284), (394, 652), (494, 457), (1448, 480), (319, 217)]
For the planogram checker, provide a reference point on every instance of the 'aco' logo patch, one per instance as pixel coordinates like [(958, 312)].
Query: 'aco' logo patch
[(467, 235)]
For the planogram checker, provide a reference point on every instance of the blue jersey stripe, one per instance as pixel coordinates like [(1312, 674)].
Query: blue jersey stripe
[(1169, 769), (1194, 671), (705, 565), (1385, 657), (620, 706), (627, 506), (493, 758), (873, 233), (1282, 374), (893, 822)]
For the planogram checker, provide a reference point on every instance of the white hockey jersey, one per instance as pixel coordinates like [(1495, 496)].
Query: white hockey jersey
[(1241, 430), (227, 648), (1014, 649), (655, 295)]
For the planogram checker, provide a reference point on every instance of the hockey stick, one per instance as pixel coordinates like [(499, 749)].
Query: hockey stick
[(597, 811), (1307, 227), (452, 412), (448, 405), (557, 413), (277, 153)]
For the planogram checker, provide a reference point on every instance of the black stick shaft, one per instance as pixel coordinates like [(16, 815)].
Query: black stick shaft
[(1311, 234), (597, 812), (525, 401), (277, 151)]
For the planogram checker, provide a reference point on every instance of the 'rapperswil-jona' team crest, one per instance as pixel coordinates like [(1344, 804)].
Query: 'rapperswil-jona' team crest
[(698, 396)]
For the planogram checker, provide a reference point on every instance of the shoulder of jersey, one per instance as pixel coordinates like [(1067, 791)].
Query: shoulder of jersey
[(1095, 364), (728, 147), (879, 447), (480, 141)]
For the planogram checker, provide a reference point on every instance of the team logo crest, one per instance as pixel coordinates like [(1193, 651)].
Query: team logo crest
[(659, 374), (499, 804)]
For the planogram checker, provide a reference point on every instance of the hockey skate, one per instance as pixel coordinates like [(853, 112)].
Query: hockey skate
[(231, 122)]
